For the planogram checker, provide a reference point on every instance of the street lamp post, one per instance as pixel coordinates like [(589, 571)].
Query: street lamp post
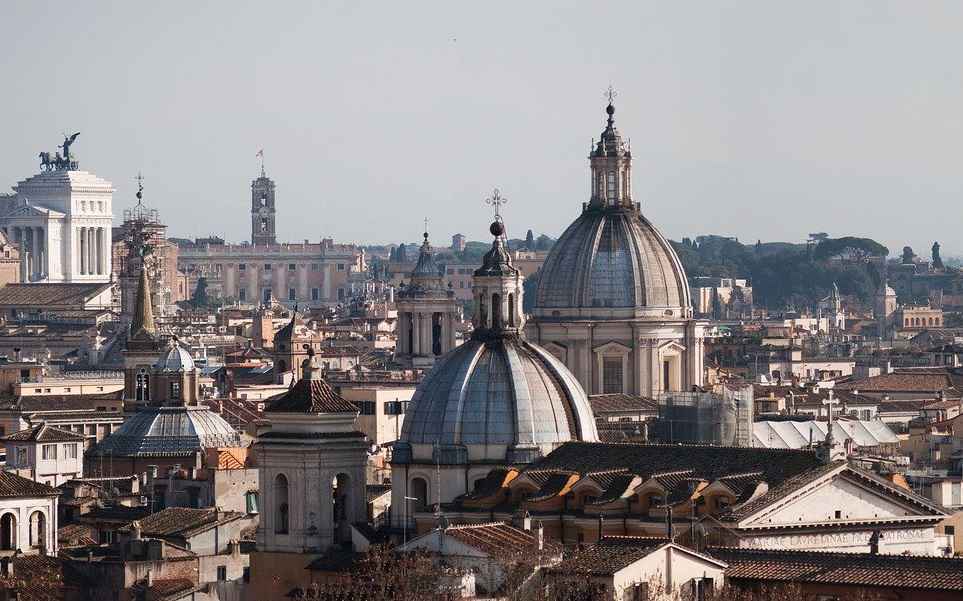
[(405, 527)]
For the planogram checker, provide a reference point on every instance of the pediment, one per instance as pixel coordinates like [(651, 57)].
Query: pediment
[(671, 347), (841, 496), (612, 348)]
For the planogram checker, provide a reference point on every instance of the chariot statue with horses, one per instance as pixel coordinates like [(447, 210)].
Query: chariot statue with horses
[(54, 161)]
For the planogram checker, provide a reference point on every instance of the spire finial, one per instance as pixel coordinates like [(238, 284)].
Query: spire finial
[(610, 94), (140, 187), (260, 155), (426, 229), (496, 200)]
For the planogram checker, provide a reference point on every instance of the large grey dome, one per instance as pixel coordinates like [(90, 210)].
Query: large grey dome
[(499, 391), (170, 432), (611, 257)]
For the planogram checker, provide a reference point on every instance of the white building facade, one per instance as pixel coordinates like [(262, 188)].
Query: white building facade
[(61, 219)]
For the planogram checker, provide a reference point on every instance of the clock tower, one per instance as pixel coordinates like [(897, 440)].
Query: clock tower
[(262, 210)]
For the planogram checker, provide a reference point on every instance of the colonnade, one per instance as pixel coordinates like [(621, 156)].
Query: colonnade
[(92, 249), (31, 241)]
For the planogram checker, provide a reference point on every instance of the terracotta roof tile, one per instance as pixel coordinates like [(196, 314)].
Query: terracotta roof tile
[(310, 396), (44, 433), (863, 569), (609, 555), (622, 403), (183, 521), (12, 485), (496, 539), (50, 295)]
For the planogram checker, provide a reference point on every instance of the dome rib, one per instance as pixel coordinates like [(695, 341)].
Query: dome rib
[(612, 258), (499, 391)]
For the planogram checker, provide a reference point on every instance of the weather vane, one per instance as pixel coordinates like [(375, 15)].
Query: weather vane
[(496, 200), (611, 94)]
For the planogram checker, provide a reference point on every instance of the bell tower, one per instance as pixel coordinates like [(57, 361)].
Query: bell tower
[(262, 210)]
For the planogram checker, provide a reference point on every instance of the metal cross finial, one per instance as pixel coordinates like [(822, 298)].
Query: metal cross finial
[(426, 225), (496, 200), (140, 186), (611, 94)]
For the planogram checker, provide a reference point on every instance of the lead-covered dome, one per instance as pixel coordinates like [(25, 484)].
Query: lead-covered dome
[(613, 257), (499, 391), (169, 432), (175, 359)]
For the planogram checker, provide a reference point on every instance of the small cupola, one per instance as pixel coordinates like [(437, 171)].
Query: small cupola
[(497, 290)]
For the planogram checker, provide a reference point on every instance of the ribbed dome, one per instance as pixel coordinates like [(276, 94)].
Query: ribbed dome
[(612, 257), (499, 391), (169, 431), (175, 358)]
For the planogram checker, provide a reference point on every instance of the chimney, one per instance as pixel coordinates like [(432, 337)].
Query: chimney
[(150, 578), (539, 535), (135, 531)]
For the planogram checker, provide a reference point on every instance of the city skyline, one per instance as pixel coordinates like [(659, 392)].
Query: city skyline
[(728, 107)]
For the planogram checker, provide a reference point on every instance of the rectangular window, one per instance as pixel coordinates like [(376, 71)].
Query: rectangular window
[(340, 294), (71, 451), (611, 375), (241, 267), (91, 430), (49, 451), (949, 530), (266, 296), (365, 407), (340, 266), (315, 267), (292, 267), (242, 294), (292, 294), (222, 573), (315, 294), (250, 499), (267, 267)]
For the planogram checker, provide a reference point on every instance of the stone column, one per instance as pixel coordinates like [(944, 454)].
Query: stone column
[(252, 284), (41, 251), (82, 249), (326, 283), (91, 251), (416, 334), (403, 343), (99, 236)]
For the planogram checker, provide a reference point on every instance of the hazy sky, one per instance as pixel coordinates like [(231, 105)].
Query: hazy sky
[(756, 119)]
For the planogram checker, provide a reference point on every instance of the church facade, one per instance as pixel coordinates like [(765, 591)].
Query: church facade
[(613, 300)]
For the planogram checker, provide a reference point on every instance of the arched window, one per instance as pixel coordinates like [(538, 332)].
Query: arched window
[(38, 529), (142, 386), (281, 502), (511, 310), (419, 490), (436, 334), (8, 532), (482, 312), (496, 311)]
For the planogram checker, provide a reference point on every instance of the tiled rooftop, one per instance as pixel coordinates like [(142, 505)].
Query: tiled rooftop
[(12, 485), (44, 433), (863, 569), (609, 555)]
